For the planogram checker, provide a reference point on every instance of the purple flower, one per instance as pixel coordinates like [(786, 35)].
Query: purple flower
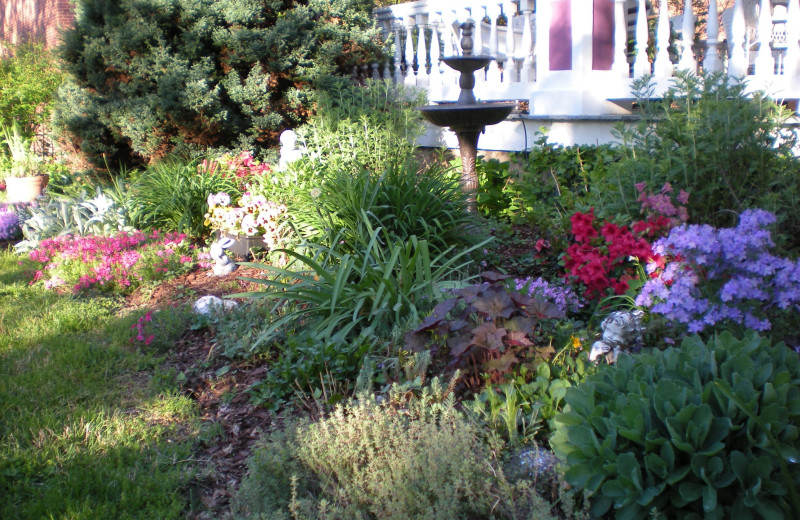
[(9, 223), (724, 275)]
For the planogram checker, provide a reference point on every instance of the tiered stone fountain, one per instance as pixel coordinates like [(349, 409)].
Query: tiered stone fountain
[(467, 117)]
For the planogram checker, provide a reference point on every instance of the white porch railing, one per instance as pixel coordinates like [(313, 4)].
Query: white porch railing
[(571, 57)]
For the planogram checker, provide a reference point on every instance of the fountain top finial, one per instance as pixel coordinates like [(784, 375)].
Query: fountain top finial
[(466, 37)]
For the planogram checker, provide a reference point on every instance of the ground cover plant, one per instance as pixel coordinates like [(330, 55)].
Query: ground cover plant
[(707, 430)]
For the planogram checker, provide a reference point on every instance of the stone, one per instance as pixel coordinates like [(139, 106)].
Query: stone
[(209, 304)]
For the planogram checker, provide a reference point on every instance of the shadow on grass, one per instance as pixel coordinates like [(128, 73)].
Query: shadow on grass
[(83, 432)]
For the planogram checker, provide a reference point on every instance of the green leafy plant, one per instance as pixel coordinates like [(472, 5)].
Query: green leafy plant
[(710, 430), (402, 199), (365, 460), (370, 126), (83, 214), (382, 282), (29, 76), (714, 138), (485, 328), (172, 195)]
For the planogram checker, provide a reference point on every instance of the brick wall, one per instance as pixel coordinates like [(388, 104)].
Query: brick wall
[(37, 20)]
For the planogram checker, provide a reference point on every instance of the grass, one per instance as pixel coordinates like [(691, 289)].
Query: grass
[(85, 430)]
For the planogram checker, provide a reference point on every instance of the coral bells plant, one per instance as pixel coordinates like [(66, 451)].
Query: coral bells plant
[(117, 263), (602, 255), (253, 215), (704, 276)]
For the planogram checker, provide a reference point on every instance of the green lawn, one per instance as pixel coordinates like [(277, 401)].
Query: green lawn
[(86, 431)]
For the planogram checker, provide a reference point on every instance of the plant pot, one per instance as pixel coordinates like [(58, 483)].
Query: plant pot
[(243, 244), (25, 189)]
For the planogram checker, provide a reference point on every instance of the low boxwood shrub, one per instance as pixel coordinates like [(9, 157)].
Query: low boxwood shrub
[(708, 430)]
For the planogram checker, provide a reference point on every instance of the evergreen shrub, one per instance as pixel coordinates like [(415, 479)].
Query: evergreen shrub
[(708, 430), (147, 76)]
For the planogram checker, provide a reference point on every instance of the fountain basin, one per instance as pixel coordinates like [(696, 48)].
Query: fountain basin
[(466, 117)]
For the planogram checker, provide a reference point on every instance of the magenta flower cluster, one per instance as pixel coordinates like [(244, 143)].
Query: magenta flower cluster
[(139, 327), (9, 223), (716, 276), (119, 262), (560, 295)]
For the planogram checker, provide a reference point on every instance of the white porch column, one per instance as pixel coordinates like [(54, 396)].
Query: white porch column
[(410, 79), (737, 65), (621, 66), (493, 76), (687, 60), (790, 63), (422, 51), (662, 67), (764, 63), (712, 62), (641, 65)]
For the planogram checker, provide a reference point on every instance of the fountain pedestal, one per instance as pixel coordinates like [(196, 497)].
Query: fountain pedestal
[(467, 117)]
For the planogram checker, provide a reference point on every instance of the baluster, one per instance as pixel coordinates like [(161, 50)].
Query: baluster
[(376, 70), (737, 65), (790, 63), (387, 71), (509, 70), (526, 49), (687, 60), (494, 76), (662, 66), (436, 64), (410, 79), (422, 51), (620, 65), (712, 62), (641, 65), (765, 64), (398, 57), (477, 13), (436, 46)]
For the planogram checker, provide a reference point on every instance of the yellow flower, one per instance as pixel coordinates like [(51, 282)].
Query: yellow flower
[(576, 342)]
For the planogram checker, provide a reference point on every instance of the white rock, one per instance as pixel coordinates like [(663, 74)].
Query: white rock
[(209, 304)]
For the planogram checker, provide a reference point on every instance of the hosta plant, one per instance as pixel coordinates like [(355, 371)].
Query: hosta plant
[(705, 431), (486, 329)]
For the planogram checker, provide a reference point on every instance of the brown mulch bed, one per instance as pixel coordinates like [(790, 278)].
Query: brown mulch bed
[(223, 400)]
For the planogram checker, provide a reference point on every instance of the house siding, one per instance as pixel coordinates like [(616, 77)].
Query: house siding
[(34, 20)]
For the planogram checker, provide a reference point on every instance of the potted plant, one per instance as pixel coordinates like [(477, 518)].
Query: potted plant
[(22, 169), (253, 222)]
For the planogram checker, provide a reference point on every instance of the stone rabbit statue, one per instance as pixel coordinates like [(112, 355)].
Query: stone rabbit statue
[(224, 265)]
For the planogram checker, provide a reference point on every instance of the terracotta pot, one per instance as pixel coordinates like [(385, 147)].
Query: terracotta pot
[(25, 189), (243, 244)]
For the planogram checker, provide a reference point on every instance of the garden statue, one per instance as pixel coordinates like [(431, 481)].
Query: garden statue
[(622, 330), (289, 150), (224, 265)]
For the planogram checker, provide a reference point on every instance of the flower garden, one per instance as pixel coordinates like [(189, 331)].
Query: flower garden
[(385, 353)]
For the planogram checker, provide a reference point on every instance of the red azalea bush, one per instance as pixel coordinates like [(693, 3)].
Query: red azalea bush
[(602, 254), (599, 258)]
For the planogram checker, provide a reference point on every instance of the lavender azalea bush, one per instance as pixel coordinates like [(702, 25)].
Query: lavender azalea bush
[(704, 276)]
